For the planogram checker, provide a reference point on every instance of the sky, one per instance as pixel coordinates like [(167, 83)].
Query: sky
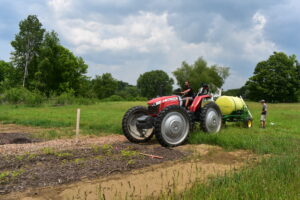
[(129, 37)]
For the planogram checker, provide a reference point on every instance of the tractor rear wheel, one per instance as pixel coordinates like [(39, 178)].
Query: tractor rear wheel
[(130, 130), (211, 118), (172, 126)]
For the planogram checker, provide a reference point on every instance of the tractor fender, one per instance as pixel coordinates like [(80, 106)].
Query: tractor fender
[(197, 102)]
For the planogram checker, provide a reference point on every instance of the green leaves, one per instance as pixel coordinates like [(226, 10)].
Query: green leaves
[(155, 83), (200, 72), (104, 86), (276, 79), (26, 44), (59, 70)]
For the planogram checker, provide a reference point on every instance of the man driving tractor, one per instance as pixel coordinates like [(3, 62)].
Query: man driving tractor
[(188, 93)]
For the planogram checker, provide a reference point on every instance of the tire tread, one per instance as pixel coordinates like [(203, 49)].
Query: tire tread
[(125, 124)]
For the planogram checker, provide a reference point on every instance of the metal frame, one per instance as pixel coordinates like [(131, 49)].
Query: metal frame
[(239, 115)]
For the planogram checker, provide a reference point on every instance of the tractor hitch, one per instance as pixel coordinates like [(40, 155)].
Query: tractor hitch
[(145, 122)]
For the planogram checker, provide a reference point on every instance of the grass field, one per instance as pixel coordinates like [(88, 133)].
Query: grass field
[(276, 177), (98, 119)]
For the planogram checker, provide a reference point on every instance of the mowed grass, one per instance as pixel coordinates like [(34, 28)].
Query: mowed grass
[(101, 118)]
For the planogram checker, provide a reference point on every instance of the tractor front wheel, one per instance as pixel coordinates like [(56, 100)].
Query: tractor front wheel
[(211, 118), (172, 126), (131, 131)]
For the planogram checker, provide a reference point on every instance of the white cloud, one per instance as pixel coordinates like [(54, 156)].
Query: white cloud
[(259, 21), (150, 34), (60, 6)]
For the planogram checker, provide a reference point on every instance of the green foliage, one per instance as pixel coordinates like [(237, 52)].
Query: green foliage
[(129, 92), (68, 98), (58, 69), (65, 98), (79, 161), (6, 176), (155, 83), (26, 46), (63, 154), (276, 79), (113, 98), (129, 153), (7, 75), (104, 86), (48, 151), (3, 175), (44, 64), (22, 95), (236, 92), (107, 149), (199, 73)]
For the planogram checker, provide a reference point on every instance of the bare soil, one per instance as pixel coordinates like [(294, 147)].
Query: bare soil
[(52, 168), (106, 167), (17, 139)]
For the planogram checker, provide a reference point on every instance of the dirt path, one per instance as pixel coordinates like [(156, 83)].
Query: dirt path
[(16, 131)]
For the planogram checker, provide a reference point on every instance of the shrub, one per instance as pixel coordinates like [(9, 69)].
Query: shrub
[(118, 98), (140, 99), (66, 98), (113, 98), (22, 95), (34, 98), (15, 95), (85, 101)]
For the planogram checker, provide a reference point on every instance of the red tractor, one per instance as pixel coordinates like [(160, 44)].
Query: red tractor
[(169, 120)]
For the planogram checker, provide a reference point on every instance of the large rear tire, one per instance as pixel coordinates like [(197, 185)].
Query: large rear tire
[(130, 130), (172, 126), (211, 118)]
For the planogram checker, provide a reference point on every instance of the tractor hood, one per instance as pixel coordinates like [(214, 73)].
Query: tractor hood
[(160, 100)]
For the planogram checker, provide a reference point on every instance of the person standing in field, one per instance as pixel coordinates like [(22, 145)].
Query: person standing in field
[(263, 116)]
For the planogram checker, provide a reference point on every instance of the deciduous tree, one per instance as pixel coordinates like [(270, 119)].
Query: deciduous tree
[(58, 69), (275, 79), (26, 44), (199, 73), (155, 83), (104, 86)]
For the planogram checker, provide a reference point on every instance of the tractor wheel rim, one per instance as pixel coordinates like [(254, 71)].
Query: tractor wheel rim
[(174, 128), (249, 124), (213, 121), (138, 133)]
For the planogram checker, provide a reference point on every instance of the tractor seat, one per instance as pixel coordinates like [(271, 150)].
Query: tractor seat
[(190, 101)]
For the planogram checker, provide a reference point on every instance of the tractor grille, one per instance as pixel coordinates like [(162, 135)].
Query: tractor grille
[(153, 109)]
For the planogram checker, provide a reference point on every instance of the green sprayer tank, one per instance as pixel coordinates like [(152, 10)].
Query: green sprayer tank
[(229, 104)]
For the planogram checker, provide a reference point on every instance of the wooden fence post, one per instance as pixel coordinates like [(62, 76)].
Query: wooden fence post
[(77, 124)]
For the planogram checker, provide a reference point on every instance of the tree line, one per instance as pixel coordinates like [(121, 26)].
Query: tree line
[(40, 64), (41, 67)]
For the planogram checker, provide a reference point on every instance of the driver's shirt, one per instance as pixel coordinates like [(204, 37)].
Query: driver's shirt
[(190, 93)]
